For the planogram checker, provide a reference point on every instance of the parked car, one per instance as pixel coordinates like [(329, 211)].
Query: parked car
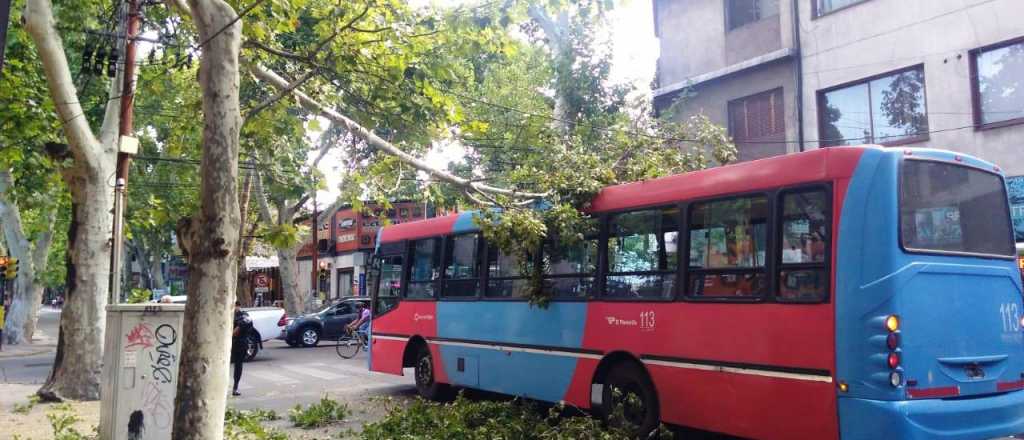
[(329, 323), (267, 323)]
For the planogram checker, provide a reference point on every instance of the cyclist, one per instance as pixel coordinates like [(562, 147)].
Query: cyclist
[(362, 324)]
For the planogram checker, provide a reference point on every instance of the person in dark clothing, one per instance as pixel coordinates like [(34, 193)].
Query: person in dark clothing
[(239, 343)]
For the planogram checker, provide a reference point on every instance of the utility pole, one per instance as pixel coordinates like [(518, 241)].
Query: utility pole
[(5, 16), (316, 250), (127, 147)]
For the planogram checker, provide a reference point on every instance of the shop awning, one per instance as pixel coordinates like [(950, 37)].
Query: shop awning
[(255, 263)]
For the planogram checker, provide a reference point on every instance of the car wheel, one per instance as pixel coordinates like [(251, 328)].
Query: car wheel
[(309, 337), (426, 385), (628, 386), (252, 347)]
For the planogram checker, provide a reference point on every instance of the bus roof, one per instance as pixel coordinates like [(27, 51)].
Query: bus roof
[(817, 165)]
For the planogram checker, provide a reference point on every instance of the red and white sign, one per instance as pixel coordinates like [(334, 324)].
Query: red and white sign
[(261, 280)]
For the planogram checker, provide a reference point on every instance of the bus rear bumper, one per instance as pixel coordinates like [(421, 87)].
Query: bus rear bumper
[(978, 418)]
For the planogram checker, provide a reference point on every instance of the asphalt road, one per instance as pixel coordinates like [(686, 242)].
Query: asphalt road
[(281, 377)]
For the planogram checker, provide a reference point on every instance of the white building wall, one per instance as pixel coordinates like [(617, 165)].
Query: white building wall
[(879, 36)]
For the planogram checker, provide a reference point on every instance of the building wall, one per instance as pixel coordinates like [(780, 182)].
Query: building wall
[(879, 36), (712, 100), (694, 39), (707, 66)]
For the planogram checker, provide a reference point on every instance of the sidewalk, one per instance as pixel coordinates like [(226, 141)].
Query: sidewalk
[(41, 343)]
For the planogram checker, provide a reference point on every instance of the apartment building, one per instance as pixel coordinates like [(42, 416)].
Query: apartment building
[(923, 73), (734, 61)]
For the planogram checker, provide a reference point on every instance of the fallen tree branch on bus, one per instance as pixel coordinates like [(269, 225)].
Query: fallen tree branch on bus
[(278, 82)]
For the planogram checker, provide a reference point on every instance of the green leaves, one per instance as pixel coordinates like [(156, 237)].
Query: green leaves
[(283, 236)]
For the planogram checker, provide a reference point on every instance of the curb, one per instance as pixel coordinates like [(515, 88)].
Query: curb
[(8, 355)]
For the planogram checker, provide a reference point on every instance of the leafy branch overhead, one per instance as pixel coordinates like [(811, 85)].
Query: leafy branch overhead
[(538, 121)]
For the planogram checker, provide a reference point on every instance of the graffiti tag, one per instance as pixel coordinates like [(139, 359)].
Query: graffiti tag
[(157, 405), (163, 359), (140, 337)]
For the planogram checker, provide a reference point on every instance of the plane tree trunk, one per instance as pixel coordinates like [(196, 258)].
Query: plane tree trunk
[(77, 367), (211, 237)]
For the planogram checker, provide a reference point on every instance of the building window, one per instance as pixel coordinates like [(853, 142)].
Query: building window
[(998, 83), (728, 241), (889, 109), (822, 7), (743, 12), (643, 253), (803, 274), (758, 125)]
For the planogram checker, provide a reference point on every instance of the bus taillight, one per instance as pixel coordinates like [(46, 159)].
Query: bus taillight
[(892, 341), (894, 360), (895, 379), (892, 323)]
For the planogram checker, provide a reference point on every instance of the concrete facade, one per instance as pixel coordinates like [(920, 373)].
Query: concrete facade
[(709, 66), (704, 65), (878, 36)]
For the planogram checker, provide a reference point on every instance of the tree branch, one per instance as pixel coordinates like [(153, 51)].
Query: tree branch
[(253, 44), (39, 22), (261, 197), (377, 142), (181, 7), (10, 215), (280, 94)]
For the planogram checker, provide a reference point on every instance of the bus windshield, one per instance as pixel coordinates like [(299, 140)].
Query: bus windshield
[(949, 208)]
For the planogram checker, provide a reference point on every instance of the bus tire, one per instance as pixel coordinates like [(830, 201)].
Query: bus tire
[(426, 383), (630, 378)]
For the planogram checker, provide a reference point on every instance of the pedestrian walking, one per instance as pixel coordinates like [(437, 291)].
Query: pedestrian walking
[(3, 311), (239, 343)]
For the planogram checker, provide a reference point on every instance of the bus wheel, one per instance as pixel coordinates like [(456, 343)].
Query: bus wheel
[(427, 387), (629, 397)]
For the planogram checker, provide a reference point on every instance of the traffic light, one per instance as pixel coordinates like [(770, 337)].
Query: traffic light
[(11, 269), (3, 267)]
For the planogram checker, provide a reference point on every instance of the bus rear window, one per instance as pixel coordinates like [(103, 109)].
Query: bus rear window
[(946, 207)]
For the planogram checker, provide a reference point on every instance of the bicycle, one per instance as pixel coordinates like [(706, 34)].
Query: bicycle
[(349, 343)]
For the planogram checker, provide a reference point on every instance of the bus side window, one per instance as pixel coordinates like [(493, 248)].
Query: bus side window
[(570, 270), (643, 254), (806, 236), (461, 268), (728, 241), (507, 277), (389, 283), (424, 268)]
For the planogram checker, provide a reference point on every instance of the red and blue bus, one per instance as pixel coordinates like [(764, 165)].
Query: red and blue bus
[(849, 292)]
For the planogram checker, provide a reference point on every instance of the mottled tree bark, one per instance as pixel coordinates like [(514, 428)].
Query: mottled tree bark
[(212, 235), (76, 370), (20, 322)]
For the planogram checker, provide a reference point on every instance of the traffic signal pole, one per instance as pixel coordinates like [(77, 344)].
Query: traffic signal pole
[(124, 154)]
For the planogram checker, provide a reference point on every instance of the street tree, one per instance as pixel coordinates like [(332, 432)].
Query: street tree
[(89, 163), (30, 187)]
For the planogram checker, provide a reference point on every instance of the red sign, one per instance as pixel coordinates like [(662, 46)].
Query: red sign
[(261, 280)]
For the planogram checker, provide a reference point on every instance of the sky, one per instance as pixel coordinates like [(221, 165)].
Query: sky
[(634, 60)]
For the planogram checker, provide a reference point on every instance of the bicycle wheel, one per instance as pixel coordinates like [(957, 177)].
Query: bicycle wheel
[(348, 346)]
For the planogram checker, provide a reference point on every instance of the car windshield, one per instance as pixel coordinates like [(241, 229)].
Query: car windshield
[(950, 208)]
